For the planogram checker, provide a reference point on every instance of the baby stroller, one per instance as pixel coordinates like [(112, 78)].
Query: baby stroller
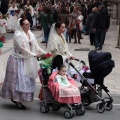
[(100, 65), (49, 100)]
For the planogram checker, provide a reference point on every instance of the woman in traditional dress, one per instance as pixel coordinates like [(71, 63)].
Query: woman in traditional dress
[(2, 73), (57, 44), (22, 66), (12, 17), (3, 25)]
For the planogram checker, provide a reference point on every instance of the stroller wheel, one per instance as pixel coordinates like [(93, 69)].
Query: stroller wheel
[(108, 106), (44, 109), (78, 111), (72, 114), (68, 114), (56, 106), (83, 109), (100, 107)]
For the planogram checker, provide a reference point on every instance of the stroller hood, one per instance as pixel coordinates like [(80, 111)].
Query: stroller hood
[(101, 64), (96, 58)]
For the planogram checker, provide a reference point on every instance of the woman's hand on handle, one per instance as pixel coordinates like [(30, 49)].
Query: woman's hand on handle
[(72, 58), (38, 55)]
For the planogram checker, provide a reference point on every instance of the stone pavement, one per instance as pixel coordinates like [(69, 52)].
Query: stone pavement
[(111, 81)]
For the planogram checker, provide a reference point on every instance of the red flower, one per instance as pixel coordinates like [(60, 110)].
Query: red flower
[(48, 55), (17, 11), (2, 39), (45, 56), (39, 9)]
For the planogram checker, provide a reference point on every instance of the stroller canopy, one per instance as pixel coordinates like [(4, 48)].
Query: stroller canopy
[(101, 64)]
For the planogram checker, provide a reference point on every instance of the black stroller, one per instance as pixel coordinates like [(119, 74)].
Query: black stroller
[(49, 100), (100, 65)]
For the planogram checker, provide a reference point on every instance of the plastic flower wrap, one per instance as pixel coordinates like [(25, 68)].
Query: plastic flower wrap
[(46, 62), (1, 44)]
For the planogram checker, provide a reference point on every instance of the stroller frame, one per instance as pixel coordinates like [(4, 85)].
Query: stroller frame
[(47, 103), (105, 104)]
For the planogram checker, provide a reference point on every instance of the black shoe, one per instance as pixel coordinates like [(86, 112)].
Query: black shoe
[(19, 106), (91, 43), (43, 42), (13, 101), (81, 38), (99, 48)]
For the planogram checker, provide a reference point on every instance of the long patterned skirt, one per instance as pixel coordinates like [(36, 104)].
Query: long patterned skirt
[(8, 90)]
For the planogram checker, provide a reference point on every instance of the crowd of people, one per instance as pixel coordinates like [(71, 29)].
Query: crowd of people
[(42, 14), (60, 21)]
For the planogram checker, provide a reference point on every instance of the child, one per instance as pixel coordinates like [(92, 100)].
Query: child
[(61, 77), (63, 88), (3, 25)]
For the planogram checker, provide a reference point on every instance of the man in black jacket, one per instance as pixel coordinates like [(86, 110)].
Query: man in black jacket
[(101, 26), (96, 3), (90, 24), (4, 6), (29, 17)]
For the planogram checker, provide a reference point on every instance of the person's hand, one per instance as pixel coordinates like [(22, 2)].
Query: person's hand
[(94, 29), (72, 58), (38, 55), (8, 16)]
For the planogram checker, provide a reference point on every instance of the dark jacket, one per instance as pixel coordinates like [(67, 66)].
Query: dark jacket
[(64, 18), (47, 21), (4, 6), (102, 20), (29, 18), (91, 21), (96, 4), (55, 15)]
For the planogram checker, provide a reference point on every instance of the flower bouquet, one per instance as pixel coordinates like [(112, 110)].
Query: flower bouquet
[(46, 62), (2, 39)]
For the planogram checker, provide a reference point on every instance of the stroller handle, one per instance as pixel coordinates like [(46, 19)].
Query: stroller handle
[(67, 61), (83, 62)]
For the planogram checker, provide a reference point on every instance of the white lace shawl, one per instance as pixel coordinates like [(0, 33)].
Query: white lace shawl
[(57, 45), (22, 49)]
